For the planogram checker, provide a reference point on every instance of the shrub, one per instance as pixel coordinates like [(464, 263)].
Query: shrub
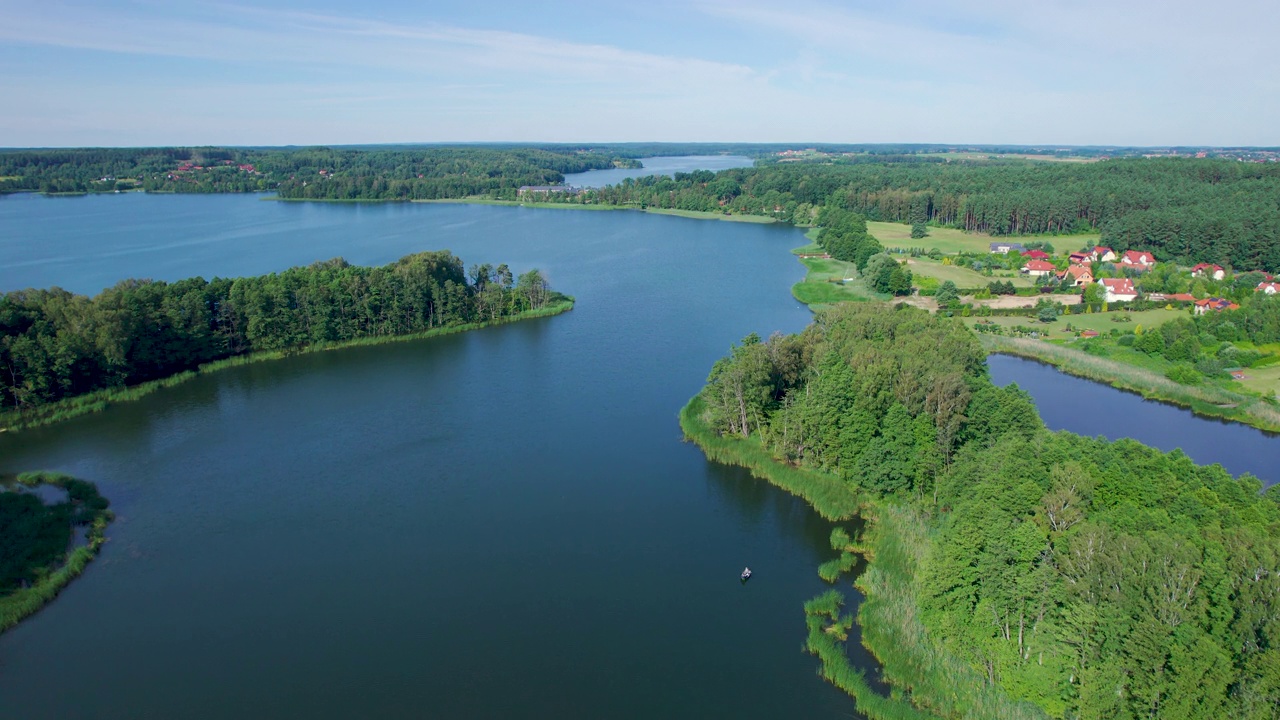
[(1184, 373)]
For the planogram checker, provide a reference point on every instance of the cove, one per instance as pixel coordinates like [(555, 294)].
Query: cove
[(500, 523), (1089, 408)]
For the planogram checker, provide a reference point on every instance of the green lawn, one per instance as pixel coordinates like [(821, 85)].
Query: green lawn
[(961, 276), (816, 288), (1104, 323), (951, 241)]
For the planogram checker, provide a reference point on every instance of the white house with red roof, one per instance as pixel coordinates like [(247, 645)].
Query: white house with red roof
[(1103, 254), (1215, 304), (1036, 255), (1137, 258), (1118, 289), (1079, 275), (1207, 270), (1080, 258), (1038, 268), (1270, 288)]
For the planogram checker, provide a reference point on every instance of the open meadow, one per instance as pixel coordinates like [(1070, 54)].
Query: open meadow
[(818, 289)]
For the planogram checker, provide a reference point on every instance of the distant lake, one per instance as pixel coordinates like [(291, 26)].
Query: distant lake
[(664, 165), (503, 523), (1089, 408)]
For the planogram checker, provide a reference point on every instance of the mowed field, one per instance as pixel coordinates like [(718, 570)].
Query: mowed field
[(950, 240), (962, 277), (1102, 322)]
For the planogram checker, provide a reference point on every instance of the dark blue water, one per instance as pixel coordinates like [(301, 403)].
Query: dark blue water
[(503, 523), (664, 165), (1090, 408)]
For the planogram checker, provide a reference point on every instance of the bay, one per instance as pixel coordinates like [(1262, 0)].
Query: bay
[(662, 165), (499, 523)]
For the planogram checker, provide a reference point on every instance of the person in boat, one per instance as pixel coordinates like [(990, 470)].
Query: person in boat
[(746, 571)]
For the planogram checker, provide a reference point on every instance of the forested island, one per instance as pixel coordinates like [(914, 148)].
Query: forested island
[(63, 354), (1013, 571), (38, 553)]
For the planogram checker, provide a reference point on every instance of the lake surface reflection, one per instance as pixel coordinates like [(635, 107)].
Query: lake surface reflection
[(499, 523)]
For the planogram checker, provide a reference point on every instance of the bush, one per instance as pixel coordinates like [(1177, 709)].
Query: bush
[(1184, 373)]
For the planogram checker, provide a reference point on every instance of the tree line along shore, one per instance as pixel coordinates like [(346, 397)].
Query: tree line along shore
[(65, 354)]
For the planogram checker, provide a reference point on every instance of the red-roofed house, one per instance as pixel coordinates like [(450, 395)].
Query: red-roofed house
[(1078, 275), (1270, 288), (1089, 334), (1038, 268), (1205, 269), (1080, 258), (1181, 297), (1104, 254), (1136, 260), (1215, 304), (1036, 255), (1118, 289)]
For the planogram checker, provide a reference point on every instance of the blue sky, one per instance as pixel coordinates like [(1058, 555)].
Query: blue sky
[(150, 72)]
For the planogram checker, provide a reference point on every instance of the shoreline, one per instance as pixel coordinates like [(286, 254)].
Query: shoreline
[(1208, 402), (893, 542), (89, 403)]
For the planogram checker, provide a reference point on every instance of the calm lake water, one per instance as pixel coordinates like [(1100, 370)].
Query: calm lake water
[(664, 165), (1090, 408), (503, 523)]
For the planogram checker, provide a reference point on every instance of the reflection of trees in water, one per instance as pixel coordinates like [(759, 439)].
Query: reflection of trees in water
[(756, 499)]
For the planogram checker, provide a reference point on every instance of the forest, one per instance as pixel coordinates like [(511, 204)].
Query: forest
[(1094, 579), (1192, 210), (319, 173), (55, 344)]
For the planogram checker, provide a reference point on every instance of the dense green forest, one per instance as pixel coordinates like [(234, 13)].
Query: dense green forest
[(1194, 210), (55, 344), (1095, 579), (310, 173)]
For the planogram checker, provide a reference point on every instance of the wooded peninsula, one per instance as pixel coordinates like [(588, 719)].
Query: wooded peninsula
[(1013, 571), (64, 354)]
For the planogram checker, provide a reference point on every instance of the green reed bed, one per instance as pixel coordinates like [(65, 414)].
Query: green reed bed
[(831, 497), (89, 509), (938, 682), (1204, 400), (102, 399)]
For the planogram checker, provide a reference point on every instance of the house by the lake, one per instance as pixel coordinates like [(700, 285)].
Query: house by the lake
[(1118, 289)]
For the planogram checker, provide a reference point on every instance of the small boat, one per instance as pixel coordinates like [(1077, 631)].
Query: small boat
[(746, 574)]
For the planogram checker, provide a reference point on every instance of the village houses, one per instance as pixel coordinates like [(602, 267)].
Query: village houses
[(1137, 260), (1038, 268), (1077, 275), (1103, 254), (1004, 247), (1207, 270), (1215, 304), (1118, 289)]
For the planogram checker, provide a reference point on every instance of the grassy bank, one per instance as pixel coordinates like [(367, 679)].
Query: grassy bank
[(1205, 400), (832, 281), (23, 602), (928, 681), (103, 399)]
